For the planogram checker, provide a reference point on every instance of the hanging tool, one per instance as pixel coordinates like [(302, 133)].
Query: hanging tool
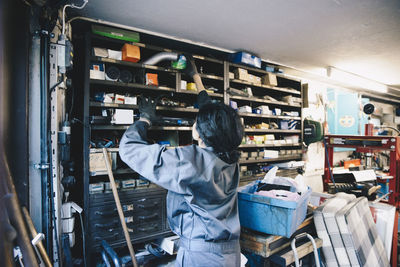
[(37, 240), (119, 207)]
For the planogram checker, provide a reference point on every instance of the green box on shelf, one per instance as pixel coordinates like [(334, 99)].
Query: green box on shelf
[(116, 33)]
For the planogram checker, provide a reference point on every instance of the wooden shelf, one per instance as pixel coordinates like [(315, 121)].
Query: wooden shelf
[(265, 145), (126, 106), (100, 150), (189, 92), (281, 158), (124, 127), (211, 77), (268, 116), (260, 100), (131, 85), (120, 171), (261, 71), (208, 59), (271, 131), (132, 64), (279, 89)]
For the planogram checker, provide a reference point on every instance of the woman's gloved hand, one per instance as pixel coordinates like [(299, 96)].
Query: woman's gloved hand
[(147, 108), (191, 68)]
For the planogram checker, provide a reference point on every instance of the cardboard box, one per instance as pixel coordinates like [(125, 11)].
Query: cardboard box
[(131, 100), (97, 71), (123, 116), (151, 79), (241, 74), (130, 53), (119, 99), (100, 52), (97, 163), (269, 79), (114, 54)]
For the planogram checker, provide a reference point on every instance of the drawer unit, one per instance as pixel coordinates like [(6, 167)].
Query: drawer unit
[(144, 211)]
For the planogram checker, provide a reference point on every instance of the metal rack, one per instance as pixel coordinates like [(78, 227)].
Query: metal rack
[(219, 78)]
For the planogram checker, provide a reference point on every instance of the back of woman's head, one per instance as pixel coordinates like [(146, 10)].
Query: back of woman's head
[(219, 127)]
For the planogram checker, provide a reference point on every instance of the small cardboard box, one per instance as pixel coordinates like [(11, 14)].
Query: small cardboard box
[(97, 163), (269, 79), (151, 79), (130, 53), (241, 74)]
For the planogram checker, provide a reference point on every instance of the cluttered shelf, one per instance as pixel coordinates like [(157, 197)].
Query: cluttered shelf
[(124, 127), (243, 114), (280, 158), (261, 71), (212, 77), (271, 131), (285, 90), (154, 47), (268, 145), (127, 106), (131, 64), (130, 85), (260, 100), (118, 171), (195, 93)]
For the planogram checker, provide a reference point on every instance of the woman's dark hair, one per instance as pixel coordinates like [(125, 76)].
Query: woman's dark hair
[(219, 127)]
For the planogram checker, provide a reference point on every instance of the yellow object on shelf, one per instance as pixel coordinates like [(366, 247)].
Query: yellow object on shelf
[(191, 86)]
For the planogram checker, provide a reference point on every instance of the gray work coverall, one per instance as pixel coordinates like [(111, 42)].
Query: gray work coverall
[(202, 196)]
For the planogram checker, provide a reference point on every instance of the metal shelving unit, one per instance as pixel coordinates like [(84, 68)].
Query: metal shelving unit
[(281, 158), (264, 101), (216, 74)]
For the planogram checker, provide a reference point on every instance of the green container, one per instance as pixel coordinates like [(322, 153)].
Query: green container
[(116, 33)]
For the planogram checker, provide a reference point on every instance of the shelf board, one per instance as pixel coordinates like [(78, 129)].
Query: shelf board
[(211, 77), (268, 116), (271, 131), (282, 75), (100, 150), (120, 171), (124, 127), (131, 85), (208, 59), (252, 177), (195, 93), (126, 106), (281, 158), (269, 145), (260, 100), (131, 64), (280, 89)]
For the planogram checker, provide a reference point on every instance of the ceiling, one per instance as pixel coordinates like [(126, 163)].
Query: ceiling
[(359, 36)]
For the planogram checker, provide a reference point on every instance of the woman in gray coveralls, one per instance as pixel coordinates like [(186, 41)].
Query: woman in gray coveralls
[(201, 179)]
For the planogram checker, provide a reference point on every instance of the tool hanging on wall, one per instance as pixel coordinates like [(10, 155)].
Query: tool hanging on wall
[(119, 207)]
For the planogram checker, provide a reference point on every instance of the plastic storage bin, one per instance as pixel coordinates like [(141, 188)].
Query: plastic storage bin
[(270, 215), (246, 58)]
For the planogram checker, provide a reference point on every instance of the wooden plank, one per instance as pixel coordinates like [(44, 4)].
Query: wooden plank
[(266, 245)]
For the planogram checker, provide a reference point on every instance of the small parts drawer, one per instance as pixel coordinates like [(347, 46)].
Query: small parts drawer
[(110, 211), (148, 203), (149, 228)]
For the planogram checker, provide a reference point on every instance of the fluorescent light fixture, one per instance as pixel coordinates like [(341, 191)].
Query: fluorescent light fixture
[(355, 80)]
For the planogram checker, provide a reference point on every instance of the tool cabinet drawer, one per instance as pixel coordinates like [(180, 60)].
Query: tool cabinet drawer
[(110, 211)]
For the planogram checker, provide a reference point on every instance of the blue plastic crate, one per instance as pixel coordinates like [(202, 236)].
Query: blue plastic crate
[(271, 215), (246, 58)]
